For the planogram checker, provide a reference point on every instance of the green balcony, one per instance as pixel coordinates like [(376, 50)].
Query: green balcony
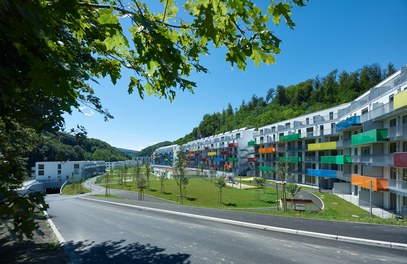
[(251, 143), (340, 160), (266, 169), (290, 137), (232, 159), (371, 136), (289, 159)]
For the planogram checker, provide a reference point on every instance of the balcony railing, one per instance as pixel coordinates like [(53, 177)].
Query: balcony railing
[(400, 159), (398, 132), (373, 160), (371, 136), (336, 160), (322, 146), (322, 173), (289, 159), (310, 159), (349, 122), (398, 187)]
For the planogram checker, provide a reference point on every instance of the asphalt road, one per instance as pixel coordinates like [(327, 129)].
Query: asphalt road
[(102, 233)]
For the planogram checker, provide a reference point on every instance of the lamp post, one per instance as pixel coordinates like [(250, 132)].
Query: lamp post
[(370, 197)]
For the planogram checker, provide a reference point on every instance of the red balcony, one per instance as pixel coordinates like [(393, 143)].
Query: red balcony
[(225, 153), (207, 148), (233, 145), (251, 159), (400, 159)]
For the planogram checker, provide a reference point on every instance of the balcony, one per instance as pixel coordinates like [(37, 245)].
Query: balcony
[(266, 150), (400, 99), (290, 137), (251, 143), (322, 146), (212, 153), (310, 159), (289, 159), (232, 159), (398, 187), (225, 153), (322, 173), (378, 184), (398, 132), (233, 145), (336, 160), (373, 160), (400, 159), (348, 123), (251, 159), (266, 169), (207, 148), (218, 159), (368, 137)]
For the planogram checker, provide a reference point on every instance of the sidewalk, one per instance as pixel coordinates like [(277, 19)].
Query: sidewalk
[(375, 211)]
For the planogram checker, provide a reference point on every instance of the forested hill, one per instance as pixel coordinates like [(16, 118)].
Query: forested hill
[(281, 103), (63, 147), (148, 151)]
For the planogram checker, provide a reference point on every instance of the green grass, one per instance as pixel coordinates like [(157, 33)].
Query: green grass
[(71, 189), (203, 193)]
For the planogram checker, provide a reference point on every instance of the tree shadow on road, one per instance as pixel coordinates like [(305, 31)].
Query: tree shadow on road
[(120, 252)]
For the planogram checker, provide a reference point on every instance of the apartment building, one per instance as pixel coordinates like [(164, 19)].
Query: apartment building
[(114, 165), (227, 152), (54, 173), (354, 147), (165, 156)]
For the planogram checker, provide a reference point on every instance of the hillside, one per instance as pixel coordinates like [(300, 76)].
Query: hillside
[(281, 103), (148, 151), (62, 147)]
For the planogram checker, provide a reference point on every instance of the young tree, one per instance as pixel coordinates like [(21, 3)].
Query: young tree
[(163, 178), (293, 189), (282, 172), (220, 183), (141, 184), (148, 173), (179, 173), (53, 51)]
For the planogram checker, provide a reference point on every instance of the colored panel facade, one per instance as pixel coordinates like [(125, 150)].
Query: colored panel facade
[(400, 99), (212, 153), (218, 159), (378, 184), (290, 137), (266, 169), (347, 123), (336, 160), (322, 146), (251, 159), (371, 136), (266, 150), (232, 159), (322, 173), (400, 159), (251, 143), (289, 159)]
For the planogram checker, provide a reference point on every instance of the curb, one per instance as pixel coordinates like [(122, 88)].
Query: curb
[(347, 239)]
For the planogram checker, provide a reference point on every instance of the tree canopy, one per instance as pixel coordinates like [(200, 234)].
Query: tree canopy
[(54, 51)]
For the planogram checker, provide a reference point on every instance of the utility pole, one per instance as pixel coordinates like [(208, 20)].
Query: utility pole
[(370, 197)]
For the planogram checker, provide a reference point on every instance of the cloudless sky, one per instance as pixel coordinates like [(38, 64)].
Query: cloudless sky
[(330, 34)]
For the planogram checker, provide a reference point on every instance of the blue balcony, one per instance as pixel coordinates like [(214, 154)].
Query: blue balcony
[(347, 123), (218, 159), (322, 173)]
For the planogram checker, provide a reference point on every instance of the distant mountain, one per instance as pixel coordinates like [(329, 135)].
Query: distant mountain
[(63, 147), (128, 151), (148, 151)]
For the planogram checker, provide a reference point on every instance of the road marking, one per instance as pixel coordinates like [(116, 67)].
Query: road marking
[(54, 228), (266, 227)]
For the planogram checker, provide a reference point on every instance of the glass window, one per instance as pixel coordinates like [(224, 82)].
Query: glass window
[(41, 173), (76, 166), (331, 115), (59, 166), (41, 166), (391, 98), (393, 147), (307, 121), (393, 122), (287, 125), (404, 119)]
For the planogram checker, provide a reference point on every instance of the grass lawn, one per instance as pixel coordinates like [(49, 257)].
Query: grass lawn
[(108, 196), (203, 193), (71, 189)]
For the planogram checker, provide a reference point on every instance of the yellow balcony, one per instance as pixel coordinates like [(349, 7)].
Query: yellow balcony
[(400, 99), (212, 153), (322, 146)]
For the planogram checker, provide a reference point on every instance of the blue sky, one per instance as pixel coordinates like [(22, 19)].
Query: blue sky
[(330, 34)]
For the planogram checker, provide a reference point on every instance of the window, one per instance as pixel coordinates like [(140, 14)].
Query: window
[(59, 172), (49, 178), (59, 166), (393, 122), (76, 166), (365, 111), (331, 115), (321, 129), (40, 173), (273, 129), (393, 147), (405, 146), (40, 166), (238, 135), (355, 169), (356, 151), (391, 98), (365, 150), (307, 121), (287, 125), (404, 118)]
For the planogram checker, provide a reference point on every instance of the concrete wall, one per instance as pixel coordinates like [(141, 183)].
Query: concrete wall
[(377, 198), (342, 188)]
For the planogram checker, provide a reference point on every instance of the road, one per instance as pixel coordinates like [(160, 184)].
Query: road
[(104, 233)]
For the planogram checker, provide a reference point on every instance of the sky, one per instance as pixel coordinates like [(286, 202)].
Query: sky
[(329, 34)]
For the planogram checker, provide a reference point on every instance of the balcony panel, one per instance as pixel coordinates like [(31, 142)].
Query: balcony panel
[(400, 159), (212, 153), (378, 184), (322, 146), (289, 159), (322, 173), (398, 187), (371, 136), (266, 150), (218, 159), (251, 159), (225, 153), (232, 159), (400, 99), (336, 160), (232, 145), (266, 169), (347, 123), (251, 143), (290, 137)]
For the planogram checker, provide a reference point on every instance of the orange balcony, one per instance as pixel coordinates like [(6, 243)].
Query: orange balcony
[(378, 184), (266, 150)]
